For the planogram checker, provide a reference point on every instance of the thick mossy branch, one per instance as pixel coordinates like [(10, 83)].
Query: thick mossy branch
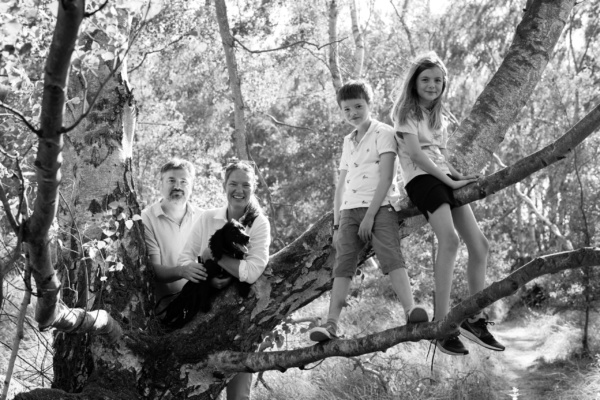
[(282, 360)]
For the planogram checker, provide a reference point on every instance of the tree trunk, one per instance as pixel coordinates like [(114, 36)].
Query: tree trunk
[(511, 86), (334, 60), (239, 135)]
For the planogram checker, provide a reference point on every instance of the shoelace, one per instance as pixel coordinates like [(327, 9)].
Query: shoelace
[(433, 342)]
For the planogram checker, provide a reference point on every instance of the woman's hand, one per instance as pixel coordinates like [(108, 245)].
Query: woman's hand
[(194, 272), (220, 283)]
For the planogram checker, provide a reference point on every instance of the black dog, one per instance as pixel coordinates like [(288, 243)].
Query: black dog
[(230, 240)]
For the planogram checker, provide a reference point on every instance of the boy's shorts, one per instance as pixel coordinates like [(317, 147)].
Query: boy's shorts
[(385, 241), (428, 193)]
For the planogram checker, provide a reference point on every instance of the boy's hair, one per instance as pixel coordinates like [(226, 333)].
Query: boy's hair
[(407, 104), (355, 90), (253, 209), (178, 163)]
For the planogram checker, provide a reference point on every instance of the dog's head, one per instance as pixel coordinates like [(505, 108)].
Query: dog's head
[(230, 240)]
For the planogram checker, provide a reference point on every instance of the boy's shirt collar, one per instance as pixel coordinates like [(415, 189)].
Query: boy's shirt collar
[(354, 133)]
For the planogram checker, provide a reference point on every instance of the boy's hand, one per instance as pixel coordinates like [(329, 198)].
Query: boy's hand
[(366, 228), (336, 235)]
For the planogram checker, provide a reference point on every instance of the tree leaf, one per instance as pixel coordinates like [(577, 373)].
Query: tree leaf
[(129, 224)]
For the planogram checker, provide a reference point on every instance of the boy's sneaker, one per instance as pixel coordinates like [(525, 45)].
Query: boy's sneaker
[(416, 314), (477, 332), (452, 346), (322, 333)]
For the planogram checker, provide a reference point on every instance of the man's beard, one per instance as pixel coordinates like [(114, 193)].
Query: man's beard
[(177, 196)]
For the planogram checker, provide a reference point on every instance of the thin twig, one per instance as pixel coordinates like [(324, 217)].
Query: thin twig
[(21, 117), (275, 121), (89, 14), (19, 333), (286, 46), (9, 215)]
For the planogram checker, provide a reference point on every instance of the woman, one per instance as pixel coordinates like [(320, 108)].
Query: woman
[(242, 205)]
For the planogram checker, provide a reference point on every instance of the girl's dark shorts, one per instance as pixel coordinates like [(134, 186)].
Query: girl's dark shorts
[(428, 193)]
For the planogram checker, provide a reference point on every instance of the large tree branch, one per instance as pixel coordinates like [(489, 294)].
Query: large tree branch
[(281, 360), (512, 85)]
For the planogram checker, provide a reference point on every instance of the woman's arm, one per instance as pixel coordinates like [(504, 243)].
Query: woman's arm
[(250, 269)]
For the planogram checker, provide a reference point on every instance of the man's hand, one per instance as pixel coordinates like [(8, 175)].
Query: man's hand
[(336, 236), (366, 227), (194, 272), (220, 283)]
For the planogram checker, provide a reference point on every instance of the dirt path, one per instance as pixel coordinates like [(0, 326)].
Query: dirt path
[(520, 362)]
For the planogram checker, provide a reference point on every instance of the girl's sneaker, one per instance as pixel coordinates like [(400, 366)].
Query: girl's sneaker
[(322, 333), (452, 346), (477, 332)]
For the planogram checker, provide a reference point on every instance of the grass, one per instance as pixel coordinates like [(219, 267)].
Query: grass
[(33, 367)]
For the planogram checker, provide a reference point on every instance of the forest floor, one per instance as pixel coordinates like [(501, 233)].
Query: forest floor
[(525, 373)]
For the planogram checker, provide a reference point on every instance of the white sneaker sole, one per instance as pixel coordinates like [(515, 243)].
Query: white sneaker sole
[(469, 335)]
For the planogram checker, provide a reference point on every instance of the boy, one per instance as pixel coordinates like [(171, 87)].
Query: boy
[(363, 207)]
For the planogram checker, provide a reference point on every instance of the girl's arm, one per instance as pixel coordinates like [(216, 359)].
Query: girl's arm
[(420, 158), (386, 175)]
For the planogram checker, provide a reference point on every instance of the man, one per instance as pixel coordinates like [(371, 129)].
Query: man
[(167, 224)]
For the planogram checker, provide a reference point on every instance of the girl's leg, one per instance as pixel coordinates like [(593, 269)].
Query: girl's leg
[(477, 245), (443, 227)]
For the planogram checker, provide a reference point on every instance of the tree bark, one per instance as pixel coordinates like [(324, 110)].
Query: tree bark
[(511, 86), (239, 136), (359, 41), (334, 59)]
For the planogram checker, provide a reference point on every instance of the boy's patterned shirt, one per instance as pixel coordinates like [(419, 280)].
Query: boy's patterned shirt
[(361, 160), (431, 141)]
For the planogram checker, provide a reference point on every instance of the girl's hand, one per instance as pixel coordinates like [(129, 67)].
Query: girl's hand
[(366, 228), (458, 184)]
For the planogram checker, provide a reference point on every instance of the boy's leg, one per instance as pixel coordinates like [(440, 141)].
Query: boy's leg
[(347, 247), (386, 244), (475, 327), (443, 227)]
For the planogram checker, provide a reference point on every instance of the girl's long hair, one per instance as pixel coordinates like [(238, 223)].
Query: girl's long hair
[(253, 209), (407, 104)]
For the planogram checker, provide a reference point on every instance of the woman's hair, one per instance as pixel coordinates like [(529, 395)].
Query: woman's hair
[(253, 209), (407, 103)]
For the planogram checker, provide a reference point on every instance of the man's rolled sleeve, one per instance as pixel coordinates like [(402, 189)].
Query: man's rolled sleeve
[(149, 236), (386, 142)]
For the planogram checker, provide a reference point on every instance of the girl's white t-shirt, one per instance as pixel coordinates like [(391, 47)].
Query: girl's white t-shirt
[(431, 141)]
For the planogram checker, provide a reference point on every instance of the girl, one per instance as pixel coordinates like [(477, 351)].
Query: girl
[(420, 121), (242, 205)]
